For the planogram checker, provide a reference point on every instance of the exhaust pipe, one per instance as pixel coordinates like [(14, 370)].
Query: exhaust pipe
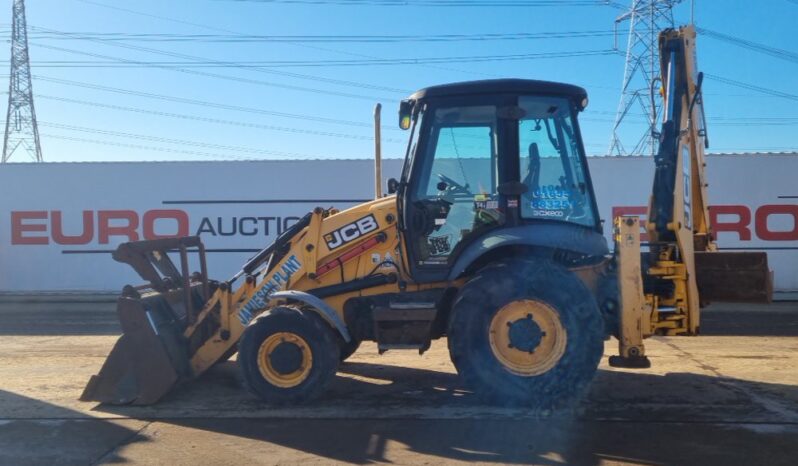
[(377, 152)]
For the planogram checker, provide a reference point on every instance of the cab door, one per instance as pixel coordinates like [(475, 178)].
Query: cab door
[(451, 196)]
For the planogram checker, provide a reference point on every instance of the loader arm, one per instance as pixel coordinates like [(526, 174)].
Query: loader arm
[(662, 290), (188, 323)]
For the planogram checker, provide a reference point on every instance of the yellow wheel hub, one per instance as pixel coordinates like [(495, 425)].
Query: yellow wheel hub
[(527, 337), (285, 359)]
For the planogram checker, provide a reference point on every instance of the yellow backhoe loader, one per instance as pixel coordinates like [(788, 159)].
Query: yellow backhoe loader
[(490, 238)]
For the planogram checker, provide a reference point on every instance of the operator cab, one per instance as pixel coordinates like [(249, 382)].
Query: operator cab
[(485, 156)]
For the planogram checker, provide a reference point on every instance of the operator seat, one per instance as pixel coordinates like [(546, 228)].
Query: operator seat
[(532, 178)]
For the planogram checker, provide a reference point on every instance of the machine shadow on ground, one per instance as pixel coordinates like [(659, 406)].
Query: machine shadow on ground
[(33, 432), (99, 318), (723, 319), (638, 417)]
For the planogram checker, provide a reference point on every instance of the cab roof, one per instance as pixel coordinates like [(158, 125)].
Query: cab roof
[(501, 86)]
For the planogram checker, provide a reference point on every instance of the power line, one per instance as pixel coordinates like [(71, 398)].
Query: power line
[(215, 120), (181, 69), (181, 142), (215, 28), (755, 119), (251, 38), (201, 103), (233, 64), (751, 122), (145, 147), (439, 3), (718, 121), (201, 62), (117, 62), (747, 124), (212, 155), (287, 38), (752, 87), (757, 149), (203, 26), (233, 108), (781, 54)]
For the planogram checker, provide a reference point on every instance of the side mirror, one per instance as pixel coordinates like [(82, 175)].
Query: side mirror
[(393, 186), (405, 114)]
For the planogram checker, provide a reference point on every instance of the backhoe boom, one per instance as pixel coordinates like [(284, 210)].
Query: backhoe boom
[(682, 252)]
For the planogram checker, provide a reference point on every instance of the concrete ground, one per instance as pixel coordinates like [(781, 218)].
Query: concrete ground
[(727, 397)]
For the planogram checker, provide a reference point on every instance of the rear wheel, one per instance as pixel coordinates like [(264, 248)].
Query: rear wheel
[(526, 332), (287, 355)]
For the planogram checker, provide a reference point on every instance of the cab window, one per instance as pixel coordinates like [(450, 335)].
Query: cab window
[(551, 164), (457, 193)]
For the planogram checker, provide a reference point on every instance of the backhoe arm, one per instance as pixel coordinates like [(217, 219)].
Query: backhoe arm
[(681, 249)]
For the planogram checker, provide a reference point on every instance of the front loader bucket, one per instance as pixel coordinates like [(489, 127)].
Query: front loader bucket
[(152, 355), (147, 360)]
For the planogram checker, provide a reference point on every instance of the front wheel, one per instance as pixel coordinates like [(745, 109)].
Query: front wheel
[(287, 355), (526, 332)]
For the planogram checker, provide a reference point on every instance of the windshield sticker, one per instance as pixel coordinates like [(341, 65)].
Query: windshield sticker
[(548, 213), (486, 205), (551, 204), (551, 201), (438, 245), (551, 192)]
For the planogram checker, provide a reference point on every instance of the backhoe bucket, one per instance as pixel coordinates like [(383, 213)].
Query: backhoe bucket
[(147, 360), (731, 276), (152, 355)]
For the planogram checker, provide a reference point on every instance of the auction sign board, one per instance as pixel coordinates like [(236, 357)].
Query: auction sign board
[(59, 222)]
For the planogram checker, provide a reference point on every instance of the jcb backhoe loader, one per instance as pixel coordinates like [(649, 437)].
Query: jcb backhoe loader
[(491, 238)]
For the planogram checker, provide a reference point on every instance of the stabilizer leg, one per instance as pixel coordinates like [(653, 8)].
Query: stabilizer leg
[(635, 311)]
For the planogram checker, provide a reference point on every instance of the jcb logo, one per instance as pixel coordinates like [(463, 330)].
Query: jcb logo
[(350, 232)]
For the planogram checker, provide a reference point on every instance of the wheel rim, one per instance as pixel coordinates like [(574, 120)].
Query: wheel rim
[(285, 359), (527, 337)]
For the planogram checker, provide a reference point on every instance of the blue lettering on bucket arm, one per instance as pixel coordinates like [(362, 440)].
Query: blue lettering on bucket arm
[(275, 283)]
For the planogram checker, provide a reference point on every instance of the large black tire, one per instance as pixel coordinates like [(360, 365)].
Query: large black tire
[(348, 349), (608, 299), (270, 346), (505, 284)]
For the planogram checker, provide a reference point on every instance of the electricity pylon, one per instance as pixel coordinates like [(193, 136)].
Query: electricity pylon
[(22, 132), (641, 81)]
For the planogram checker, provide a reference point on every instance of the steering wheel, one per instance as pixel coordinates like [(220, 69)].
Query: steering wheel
[(453, 186)]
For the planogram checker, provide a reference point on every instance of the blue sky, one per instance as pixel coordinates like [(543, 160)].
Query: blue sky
[(257, 113)]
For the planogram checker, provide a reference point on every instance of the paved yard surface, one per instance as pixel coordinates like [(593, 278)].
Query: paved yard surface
[(727, 397)]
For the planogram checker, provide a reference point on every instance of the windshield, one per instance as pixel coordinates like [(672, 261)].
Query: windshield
[(551, 163)]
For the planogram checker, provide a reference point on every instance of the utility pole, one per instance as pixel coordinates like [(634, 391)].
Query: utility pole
[(22, 132), (640, 104)]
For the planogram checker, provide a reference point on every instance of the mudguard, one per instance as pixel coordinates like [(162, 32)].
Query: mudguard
[(319, 306), (568, 237)]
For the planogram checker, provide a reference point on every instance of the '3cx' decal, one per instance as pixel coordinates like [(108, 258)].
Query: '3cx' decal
[(350, 232)]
